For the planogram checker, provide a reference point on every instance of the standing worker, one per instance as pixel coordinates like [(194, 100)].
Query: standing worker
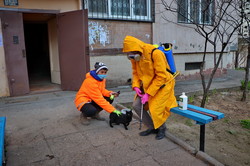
[(93, 97), (153, 84)]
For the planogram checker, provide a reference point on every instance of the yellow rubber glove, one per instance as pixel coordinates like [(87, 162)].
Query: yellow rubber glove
[(118, 113), (112, 97)]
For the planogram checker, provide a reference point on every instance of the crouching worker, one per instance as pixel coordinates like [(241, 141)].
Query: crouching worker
[(93, 97), (153, 84)]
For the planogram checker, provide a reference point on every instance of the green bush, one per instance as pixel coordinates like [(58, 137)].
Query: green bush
[(245, 123), (243, 84), (240, 68), (191, 99)]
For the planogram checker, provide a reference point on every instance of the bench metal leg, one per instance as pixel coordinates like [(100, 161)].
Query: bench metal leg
[(202, 137)]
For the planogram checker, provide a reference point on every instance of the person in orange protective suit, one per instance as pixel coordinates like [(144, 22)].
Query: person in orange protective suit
[(153, 84), (93, 97)]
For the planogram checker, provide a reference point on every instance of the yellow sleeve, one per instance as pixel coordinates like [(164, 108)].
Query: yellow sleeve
[(161, 74), (135, 78)]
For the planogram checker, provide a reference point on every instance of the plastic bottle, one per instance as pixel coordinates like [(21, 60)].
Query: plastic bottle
[(183, 101)]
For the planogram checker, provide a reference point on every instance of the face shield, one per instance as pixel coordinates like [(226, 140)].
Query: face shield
[(136, 57)]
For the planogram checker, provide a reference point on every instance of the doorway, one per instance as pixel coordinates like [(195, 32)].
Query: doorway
[(45, 51), (38, 58)]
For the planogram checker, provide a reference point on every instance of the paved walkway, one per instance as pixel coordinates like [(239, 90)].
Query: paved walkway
[(45, 130)]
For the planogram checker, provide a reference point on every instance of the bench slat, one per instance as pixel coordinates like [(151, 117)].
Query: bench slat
[(218, 114), (2, 130), (203, 119)]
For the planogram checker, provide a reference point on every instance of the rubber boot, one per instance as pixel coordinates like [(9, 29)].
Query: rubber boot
[(161, 132), (148, 132), (84, 120)]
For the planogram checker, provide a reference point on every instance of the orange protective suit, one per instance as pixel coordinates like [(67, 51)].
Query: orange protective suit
[(93, 90), (150, 73)]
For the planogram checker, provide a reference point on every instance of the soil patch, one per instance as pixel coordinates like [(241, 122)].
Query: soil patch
[(226, 140)]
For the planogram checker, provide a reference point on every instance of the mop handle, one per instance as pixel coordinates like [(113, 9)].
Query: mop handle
[(141, 116)]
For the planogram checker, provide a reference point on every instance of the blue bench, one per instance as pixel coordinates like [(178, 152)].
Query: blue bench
[(202, 116), (2, 130)]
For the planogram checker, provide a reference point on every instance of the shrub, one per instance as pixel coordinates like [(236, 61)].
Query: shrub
[(245, 123), (191, 99), (243, 84)]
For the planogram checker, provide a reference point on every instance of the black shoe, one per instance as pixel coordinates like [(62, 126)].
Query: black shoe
[(160, 134), (147, 132)]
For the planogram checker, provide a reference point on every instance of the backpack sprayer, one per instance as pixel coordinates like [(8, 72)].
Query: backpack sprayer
[(166, 48)]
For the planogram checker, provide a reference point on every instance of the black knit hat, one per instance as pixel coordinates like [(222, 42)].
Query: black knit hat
[(99, 65)]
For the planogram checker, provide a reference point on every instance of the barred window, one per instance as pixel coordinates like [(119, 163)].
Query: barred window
[(195, 11), (11, 2), (134, 10)]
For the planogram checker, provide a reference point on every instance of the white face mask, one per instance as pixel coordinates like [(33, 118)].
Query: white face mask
[(136, 57)]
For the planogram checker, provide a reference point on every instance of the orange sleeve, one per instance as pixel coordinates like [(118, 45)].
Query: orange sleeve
[(105, 92), (94, 92)]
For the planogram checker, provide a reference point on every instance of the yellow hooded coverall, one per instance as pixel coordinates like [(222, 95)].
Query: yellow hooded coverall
[(150, 73)]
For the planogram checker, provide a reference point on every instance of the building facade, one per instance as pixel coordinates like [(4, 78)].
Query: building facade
[(110, 22), (60, 41)]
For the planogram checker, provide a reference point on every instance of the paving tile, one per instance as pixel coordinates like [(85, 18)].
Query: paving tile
[(57, 129), (144, 161), (178, 157), (102, 135), (152, 146), (68, 144), (117, 153), (26, 154), (23, 137), (48, 162)]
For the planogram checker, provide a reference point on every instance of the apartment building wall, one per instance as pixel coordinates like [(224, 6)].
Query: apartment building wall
[(188, 45)]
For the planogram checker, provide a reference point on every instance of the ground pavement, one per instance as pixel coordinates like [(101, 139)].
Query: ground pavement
[(45, 130)]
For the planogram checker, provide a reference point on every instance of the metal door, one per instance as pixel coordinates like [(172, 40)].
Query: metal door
[(73, 48), (14, 47)]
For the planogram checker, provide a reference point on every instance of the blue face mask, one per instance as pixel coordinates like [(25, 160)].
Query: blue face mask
[(101, 76)]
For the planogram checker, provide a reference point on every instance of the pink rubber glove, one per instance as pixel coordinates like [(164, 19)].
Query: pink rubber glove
[(138, 91), (144, 98)]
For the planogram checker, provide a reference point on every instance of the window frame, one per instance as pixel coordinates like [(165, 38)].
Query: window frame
[(188, 13), (132, 15), (10, 2)]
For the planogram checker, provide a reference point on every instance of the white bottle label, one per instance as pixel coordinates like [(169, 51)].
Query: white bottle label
[(183, 102)]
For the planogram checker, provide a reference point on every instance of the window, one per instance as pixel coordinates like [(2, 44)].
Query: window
[(11, 2), (195, 11), (193, 65), (134, 10)]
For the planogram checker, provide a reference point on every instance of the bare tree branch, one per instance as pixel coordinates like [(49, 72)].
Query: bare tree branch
[(225, 24)]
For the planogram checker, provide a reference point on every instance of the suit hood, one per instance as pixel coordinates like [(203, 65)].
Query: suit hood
[(133, 44)]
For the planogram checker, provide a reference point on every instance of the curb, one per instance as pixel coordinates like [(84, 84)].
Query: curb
[(199, 154), (181, 143), (205, 157)]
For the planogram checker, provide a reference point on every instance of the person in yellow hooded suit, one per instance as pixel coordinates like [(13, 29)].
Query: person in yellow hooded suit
[(153, 84)]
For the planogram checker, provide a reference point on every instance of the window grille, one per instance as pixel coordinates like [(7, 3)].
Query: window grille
[(11, 2), (132, 10), (195, 11)]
